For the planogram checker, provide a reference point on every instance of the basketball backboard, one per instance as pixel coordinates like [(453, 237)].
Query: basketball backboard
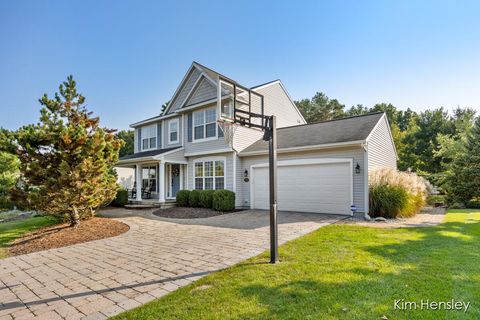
[(239, 105)]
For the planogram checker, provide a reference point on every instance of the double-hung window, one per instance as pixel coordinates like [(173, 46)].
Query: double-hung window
[(210, 175), (173, 131), (205, 124), (149, 137)]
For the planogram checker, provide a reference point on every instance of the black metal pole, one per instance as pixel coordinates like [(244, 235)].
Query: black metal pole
[(273, 190)]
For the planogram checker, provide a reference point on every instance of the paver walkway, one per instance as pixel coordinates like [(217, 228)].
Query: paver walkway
[(102, 278)]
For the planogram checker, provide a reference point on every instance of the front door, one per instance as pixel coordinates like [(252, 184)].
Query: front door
[(174, 179)]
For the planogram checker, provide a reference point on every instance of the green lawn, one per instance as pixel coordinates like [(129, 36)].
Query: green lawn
[(10, 231), (342, 272)]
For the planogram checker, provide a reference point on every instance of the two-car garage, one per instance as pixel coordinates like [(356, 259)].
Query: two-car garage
[(308, 185)]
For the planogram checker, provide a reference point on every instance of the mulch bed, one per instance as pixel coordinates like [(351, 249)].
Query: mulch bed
[(62, 235), (187, 213)]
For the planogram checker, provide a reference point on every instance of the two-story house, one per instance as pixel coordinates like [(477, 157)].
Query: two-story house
[(322, 167)]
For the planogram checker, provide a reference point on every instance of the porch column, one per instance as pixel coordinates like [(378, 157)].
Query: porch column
[(138, 178), (161, 185), (181, 176)]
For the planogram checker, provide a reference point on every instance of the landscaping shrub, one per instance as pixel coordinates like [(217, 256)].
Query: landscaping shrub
[(206, 198), (387, 201), (121, 198), (396, 194), (183, 198), (224, 200), (194, 198)]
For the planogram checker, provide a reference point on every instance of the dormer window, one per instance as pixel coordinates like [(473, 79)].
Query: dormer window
[(149, 137), (173, 131), (205, 124)]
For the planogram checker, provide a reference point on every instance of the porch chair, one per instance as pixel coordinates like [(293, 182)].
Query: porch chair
[(133, 191), (147, 192)]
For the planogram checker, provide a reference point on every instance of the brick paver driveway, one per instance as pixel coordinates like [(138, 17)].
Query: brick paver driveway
[(102, 278)]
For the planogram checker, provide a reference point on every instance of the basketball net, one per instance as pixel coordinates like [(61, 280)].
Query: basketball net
[(228, 129)]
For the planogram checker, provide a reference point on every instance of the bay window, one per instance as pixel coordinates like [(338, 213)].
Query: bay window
[(205, 124), (210, 175)]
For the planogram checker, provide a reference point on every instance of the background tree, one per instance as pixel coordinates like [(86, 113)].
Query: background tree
[(320, 108), (164, 106), (66, 160), (128, 137), (9, 173), (463, 180)]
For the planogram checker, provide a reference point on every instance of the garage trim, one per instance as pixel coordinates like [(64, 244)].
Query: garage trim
[(300, 162)]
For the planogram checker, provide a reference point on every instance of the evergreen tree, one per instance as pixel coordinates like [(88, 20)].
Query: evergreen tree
[(128, 137), (463, 182), (66, 159)]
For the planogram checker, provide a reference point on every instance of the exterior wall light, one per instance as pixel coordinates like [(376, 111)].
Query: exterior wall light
[(357, 168), (245, 175)]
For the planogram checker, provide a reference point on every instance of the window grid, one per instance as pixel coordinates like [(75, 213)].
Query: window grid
[(149, 137), (173, 131), (210, 175), (204, 124)]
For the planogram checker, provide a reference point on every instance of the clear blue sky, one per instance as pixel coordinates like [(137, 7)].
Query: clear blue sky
[(129, 56)]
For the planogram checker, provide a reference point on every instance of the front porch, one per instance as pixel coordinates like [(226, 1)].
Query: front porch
[(159, 182)]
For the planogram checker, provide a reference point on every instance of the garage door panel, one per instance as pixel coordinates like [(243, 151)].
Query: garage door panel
[(321, 187)]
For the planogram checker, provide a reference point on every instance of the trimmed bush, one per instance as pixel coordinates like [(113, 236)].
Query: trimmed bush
[(183, 198), (194, 198), (206, 198), (121, 199), (224, 200), (396, 194)]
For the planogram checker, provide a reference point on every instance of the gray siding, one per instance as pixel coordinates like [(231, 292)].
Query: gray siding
[(183, 92), (165, 133), (381, 150), (357, 154), (176, 156), (244, 137), (159, 136), (228, 168), (136, 141), (204, 91), (277, 102)]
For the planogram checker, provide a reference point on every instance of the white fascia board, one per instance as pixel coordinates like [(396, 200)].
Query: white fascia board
[(193, 154), (306, 148), (156, 119)]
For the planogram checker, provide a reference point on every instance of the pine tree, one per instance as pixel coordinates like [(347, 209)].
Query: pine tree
[(463, 183), (66, 159)]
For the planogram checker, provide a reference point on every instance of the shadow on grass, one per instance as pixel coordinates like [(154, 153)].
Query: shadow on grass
[(438, 263)]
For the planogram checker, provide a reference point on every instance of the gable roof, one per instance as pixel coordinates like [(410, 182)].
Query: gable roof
[(337, 132)]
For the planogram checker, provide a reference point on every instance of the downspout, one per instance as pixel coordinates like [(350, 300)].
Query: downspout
[(366, 186)]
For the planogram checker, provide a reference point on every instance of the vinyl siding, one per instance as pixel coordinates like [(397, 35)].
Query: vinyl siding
[(165, 133), (204, 91), (381, 150), (277, 102), (244, 137), (228, 168), (356, 154), (176, 156), (183, 92), (136, 140)]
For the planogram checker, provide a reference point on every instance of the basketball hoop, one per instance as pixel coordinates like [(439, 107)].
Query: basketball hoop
[(228, 128)]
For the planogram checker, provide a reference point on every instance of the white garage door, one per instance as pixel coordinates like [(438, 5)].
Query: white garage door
[(307, 187)]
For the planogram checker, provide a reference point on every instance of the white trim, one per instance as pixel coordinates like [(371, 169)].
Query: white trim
[(211, 159), (299, 162), (306, 148), (148, 121), (183, 129), (202, 69), (195, 84), (201, 153), (234, 166), (286, 93), (142, 138), (196, 105), (177, 121)]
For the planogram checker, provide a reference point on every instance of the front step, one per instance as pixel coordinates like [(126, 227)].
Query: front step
[(139, 205)]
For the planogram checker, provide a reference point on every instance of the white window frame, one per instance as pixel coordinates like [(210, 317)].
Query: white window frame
[(204, 111), (169, 131), (214, 176), (143, 137)]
